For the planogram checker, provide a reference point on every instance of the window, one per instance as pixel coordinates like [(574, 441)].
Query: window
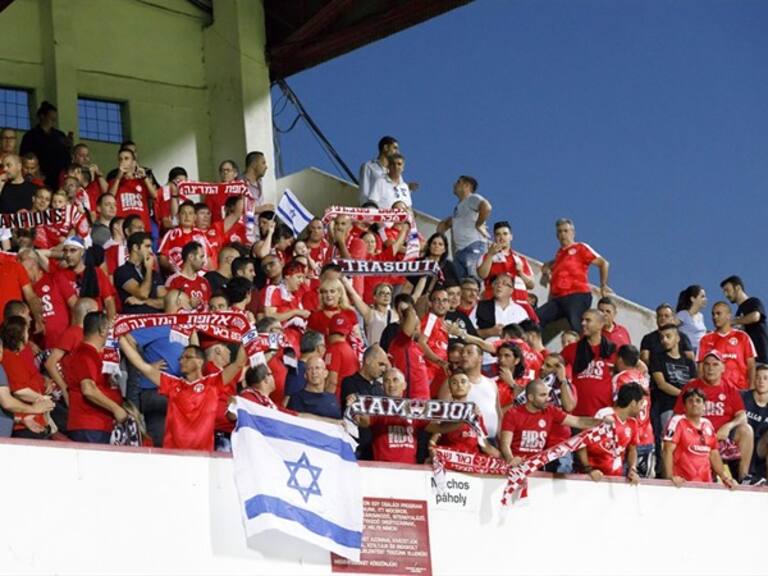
[(14, 108), (100, 120)]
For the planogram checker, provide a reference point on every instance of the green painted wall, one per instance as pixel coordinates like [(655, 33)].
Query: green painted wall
[(196, 90)]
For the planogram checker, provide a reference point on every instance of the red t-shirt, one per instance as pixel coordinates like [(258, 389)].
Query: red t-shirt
[(394, 438), (69, 339), (54, 296), (643, 420), (115, 255), (611, 462), (463, 439), (690, 460), (106, 289), (341, 358), (174, 241), (407, 357), (530, 430), (191, 415), (593, 384), (13, 277), (721, 406), (279, 373), (619, 335), (736, 348), (320, 321), (196, 287), (570, 270), (433, 328), (262, 400), (133, 198), (85, 363), (22, 373), (222, 424), (505, 263), (320, 253)]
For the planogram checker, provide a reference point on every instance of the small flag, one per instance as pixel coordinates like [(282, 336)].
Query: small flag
[(298, 476), (412, 244), (293, 213)]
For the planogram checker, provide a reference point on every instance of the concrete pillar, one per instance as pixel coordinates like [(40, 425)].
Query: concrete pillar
[(238, 85), (60, 72)]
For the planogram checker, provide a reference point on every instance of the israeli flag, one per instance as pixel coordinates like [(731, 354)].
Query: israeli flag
[(298, 476), (293, 213)]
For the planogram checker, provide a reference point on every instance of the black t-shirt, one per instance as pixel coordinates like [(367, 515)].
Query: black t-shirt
[(676, 371), (757, 416), (652, 343), (217, 281), (15, 197), (356, 384), (128, 272), (757, 331), (318, 403), (463, 322), (388, 335), (51, 150)]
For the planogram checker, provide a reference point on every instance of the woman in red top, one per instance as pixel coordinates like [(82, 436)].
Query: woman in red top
[(24, 378), (333, 300)]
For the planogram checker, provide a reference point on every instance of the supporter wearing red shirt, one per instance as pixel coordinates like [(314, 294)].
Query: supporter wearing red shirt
[(347, 245), (408, 357), (190, 279), (24, 379), (282, 303), (168, 198), (56, 299), (88, 280), (132, 188), (628, 370), (525, 429), (395, 438), (563, 395), (616, 333), (724, 408), (690, 444), (172, 244), (259, 386), (735, 347), (116, 249), (15, 284), (606, 458), (229, 230), (567, 274), (319, 248), (511, 379), (95, 401), (434, 337), (465, 438), (591, 360), (193, 399), (333, 300), (500, 258), (470, 296), (340, 358)]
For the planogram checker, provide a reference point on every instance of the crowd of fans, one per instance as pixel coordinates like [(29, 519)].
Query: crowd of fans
[(684, 403)]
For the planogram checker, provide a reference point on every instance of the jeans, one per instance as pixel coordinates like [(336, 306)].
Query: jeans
[(467, 259), (154, 407), (90, 436), (570, 307)]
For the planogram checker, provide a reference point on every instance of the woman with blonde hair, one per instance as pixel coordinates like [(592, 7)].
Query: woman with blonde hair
[(333, 300)]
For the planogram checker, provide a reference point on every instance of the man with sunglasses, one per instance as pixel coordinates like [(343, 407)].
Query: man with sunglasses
[(690, 444)]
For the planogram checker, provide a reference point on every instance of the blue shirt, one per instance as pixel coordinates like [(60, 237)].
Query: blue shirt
[(318, 403), (156, 346)]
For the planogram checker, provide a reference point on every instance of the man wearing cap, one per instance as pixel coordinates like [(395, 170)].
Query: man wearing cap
[(340, 358), (690, 444), (724, 408), (735, 348), (87, 279)]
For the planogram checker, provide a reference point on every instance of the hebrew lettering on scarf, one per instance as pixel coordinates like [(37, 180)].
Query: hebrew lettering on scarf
[(230, 326), (517, 476), (234, 188), (27, 219), (416, 409), (368, 215), (390, 268)]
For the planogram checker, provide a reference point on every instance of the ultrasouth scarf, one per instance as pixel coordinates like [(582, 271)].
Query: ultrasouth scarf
[(390, 268)]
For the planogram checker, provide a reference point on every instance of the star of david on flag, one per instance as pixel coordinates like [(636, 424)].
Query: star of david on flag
[(298, 476), (293, 213)]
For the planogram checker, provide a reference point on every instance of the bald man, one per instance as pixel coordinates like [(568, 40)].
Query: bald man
[(15, 192)]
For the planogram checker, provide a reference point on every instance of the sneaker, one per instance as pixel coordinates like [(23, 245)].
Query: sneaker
[(750, 480)]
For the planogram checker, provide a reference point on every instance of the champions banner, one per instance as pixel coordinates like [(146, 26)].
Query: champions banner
[(27, 219), (234, 188), (390, 268), (517, 477), (412, 409)]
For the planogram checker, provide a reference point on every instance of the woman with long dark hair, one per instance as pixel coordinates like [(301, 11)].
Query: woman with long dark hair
[(690, 303)]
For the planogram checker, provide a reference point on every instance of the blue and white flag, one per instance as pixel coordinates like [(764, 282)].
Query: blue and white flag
[(298, 476), (293, 213)]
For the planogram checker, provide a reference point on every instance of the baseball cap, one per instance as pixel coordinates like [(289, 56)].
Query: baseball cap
[(715, 354), (341, 324), (75, 242)]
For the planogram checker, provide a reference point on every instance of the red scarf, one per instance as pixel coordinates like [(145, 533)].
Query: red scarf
[(234, 188), (368, 215)]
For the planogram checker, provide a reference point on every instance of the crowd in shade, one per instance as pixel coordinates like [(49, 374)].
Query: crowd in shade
[(688, 402)]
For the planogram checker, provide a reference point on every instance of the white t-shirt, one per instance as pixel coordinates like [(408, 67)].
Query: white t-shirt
[(369, 173), (386, 192), (485, 394), (465, 215)]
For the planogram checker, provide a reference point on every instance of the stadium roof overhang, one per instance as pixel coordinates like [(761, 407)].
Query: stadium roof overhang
[(304, 33)]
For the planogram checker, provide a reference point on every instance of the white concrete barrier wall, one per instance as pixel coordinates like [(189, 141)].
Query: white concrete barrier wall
[(74, 510)]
